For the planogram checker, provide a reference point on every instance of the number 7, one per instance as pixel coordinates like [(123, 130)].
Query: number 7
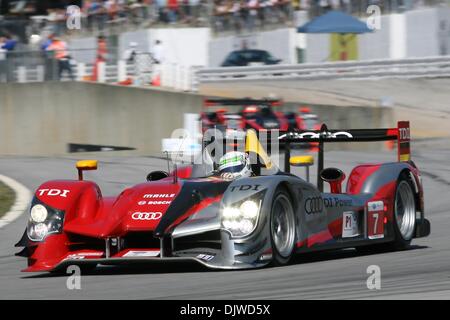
[(375, 216)]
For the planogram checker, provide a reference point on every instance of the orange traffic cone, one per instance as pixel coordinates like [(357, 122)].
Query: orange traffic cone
[(156, 81), (126, 82)]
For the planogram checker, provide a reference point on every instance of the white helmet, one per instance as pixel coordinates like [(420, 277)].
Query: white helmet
[(234, 165)]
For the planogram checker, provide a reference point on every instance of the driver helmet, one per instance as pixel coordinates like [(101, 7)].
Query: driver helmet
[(234, 165)]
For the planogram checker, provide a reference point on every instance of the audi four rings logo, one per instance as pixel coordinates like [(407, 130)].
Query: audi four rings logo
[(146, 215), (314, 205)]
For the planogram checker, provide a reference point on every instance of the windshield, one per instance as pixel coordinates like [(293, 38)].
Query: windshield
[(311, 122), (206, 165)]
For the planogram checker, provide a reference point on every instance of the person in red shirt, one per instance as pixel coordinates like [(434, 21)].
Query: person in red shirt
[(102, 51), (172, 6)]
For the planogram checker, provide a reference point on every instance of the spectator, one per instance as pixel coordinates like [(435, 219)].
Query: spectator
[(235, 10), (112, 9), (324, 6), (148, 11), (9, 44), (173, 10), (96, 14), (253, 7), (48, 58), (3, 63), (347, 6), (130, 54), (194, 10), (102, 52), (61, 54), (162, 10), (158, 52)]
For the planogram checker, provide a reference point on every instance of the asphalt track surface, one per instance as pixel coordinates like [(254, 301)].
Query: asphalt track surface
[(422, 272)]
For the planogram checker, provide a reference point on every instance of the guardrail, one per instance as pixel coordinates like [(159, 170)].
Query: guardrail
[(404, 68), (172, 75)]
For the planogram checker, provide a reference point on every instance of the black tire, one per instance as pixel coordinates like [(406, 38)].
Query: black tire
[(401, 240), (405, 232), (282, 228)]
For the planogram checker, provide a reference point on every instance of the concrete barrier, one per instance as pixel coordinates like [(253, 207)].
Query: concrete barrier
[(42, 118)]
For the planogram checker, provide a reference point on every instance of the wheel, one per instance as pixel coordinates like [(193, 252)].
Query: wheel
[(404, 218), (404, 213), (282, 228)]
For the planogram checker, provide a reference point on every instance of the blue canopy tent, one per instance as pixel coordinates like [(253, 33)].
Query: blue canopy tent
[(336, 22)]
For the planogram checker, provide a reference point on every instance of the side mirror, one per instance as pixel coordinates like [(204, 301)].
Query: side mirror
[(334, 177), (157, 175), (84, 165)]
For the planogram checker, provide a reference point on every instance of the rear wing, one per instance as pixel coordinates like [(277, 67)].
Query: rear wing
[(213, 102), (401, 134)]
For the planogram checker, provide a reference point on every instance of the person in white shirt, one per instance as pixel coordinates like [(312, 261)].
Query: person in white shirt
[(158, 52), (130, 54)]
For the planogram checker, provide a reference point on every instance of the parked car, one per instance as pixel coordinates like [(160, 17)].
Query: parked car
[(241, 58)]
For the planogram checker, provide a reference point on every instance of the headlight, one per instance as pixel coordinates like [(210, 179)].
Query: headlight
[(40, 230), (38, 213), (241, 219), (43, 221), (230, 213), (249, 209)]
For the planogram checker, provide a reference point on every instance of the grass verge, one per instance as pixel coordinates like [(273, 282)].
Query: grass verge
[(7, 197)]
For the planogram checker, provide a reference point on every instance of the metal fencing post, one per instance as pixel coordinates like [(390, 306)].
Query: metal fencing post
[(121, 70), (21, 74), (40, 73), (101, 72), (81, 71)]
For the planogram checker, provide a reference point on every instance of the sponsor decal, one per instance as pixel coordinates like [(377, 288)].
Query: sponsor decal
[(313, 205), (266, 256), (270, 124), (158, 195), (82, 255), (375, 206), (146, 215), (404, 136), (151, 253), (206, 257), (144, 202), (53, 192), (404, 133), (245, 187), (337, 202), (349, 225)]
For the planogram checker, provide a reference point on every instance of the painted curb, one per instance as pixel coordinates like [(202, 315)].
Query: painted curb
[(23, 197)]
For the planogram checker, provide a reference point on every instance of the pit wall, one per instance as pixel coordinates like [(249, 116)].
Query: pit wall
[(42, 118)]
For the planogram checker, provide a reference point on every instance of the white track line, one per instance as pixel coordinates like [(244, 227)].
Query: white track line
[(23, 197)]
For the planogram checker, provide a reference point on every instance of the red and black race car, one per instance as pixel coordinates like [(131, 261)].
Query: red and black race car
[(255, 114), (193, 214)]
